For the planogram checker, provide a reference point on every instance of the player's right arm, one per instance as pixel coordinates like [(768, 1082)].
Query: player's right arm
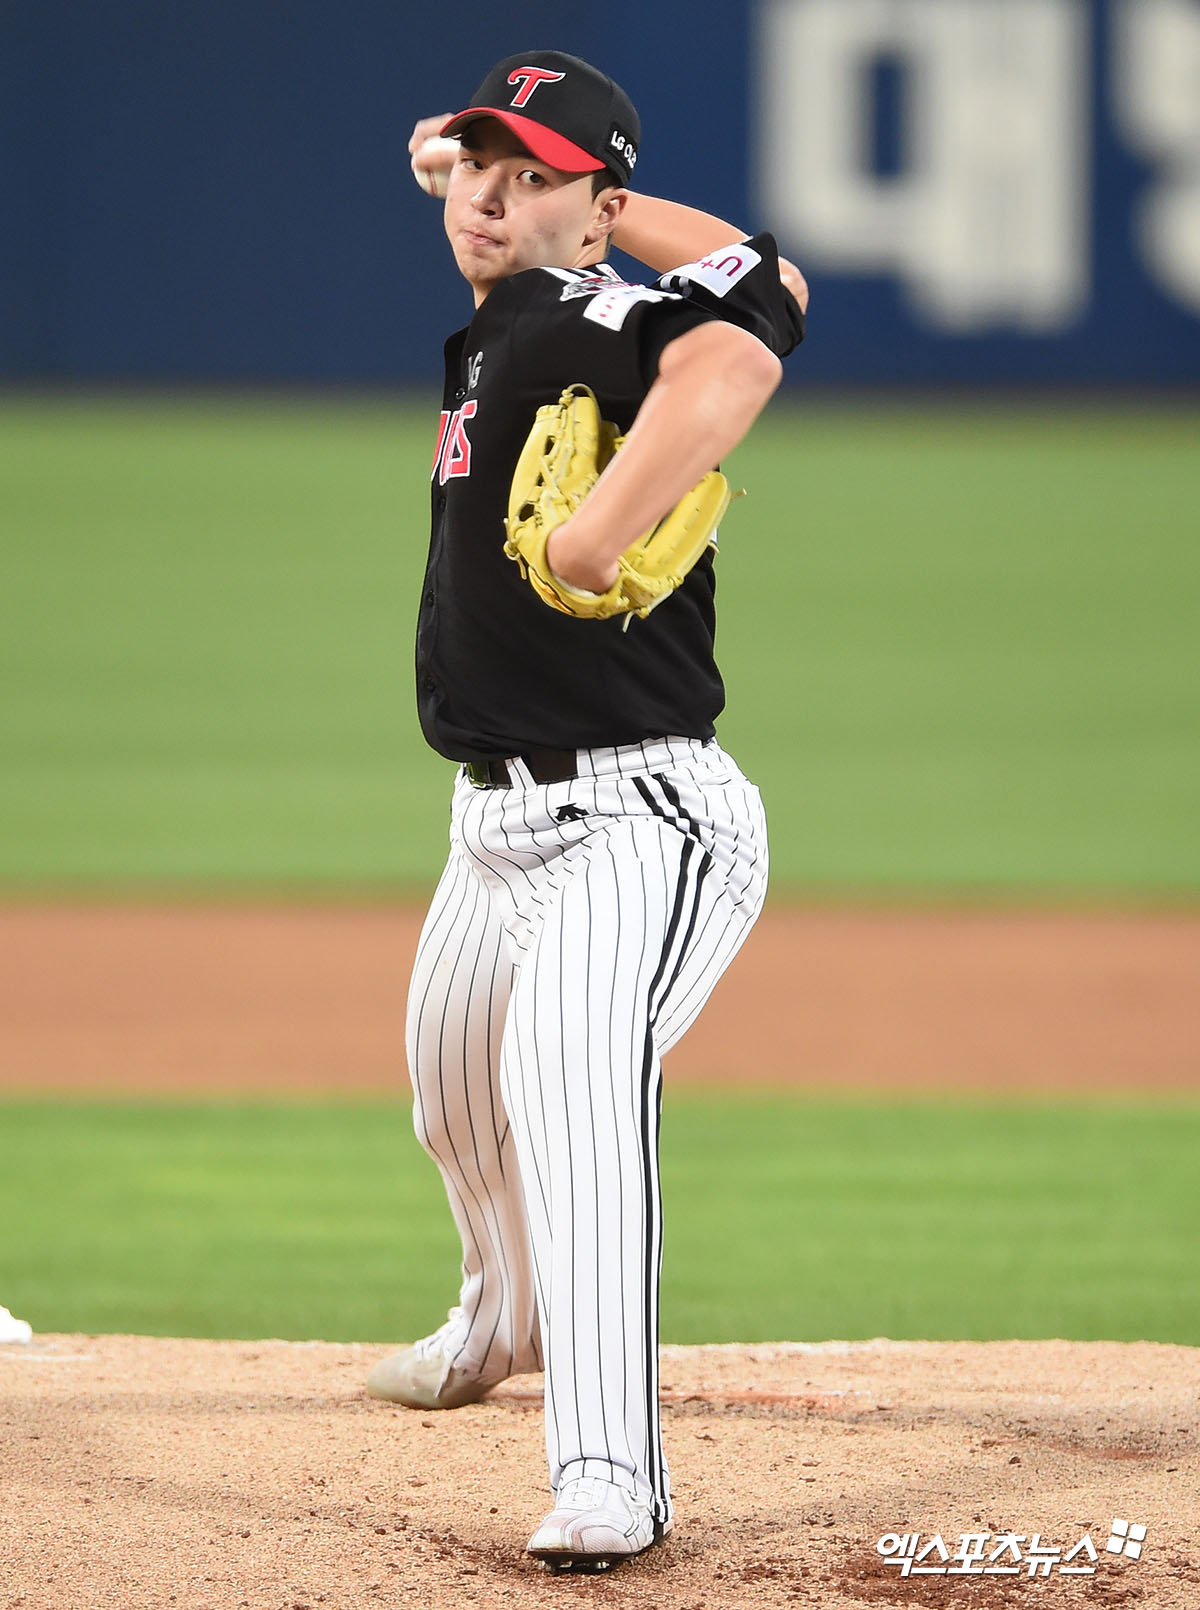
[(664, 234), (661, 234)]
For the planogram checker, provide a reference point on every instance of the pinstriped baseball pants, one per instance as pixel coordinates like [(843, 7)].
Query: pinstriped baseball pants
[(576, 933)]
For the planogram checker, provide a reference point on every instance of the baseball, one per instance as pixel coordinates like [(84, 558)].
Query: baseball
[(432, 163)]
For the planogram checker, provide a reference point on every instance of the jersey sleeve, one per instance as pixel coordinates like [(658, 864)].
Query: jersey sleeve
[(564, 326), (741, 284), (567, 326)]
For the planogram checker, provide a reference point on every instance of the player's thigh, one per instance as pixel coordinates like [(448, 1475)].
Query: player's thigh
[(637, 924), (578, 1073), (460, 987), (721, 925), (614, 921)]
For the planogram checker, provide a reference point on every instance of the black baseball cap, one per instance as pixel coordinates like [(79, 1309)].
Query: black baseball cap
[(569, 114)]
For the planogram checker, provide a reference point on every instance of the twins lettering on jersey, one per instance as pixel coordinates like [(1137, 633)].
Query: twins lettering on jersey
[(452, 456)]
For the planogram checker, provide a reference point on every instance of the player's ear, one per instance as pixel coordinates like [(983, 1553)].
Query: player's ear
[(606, 213)]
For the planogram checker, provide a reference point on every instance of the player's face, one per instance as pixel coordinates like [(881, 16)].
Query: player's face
[(506, 211)]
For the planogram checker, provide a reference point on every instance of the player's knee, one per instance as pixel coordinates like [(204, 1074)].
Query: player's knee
[(429, 1124)]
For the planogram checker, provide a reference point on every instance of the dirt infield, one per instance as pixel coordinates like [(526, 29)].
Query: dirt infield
[(142, 1474), (171, 999)]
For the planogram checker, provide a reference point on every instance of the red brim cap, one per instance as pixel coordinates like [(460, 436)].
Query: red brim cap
[(549, 147)]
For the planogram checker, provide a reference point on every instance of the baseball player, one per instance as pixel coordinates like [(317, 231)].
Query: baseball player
[(607, 857)]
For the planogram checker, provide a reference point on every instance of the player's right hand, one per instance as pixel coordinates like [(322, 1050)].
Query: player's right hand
[(795, 282), (431, 156), (427, 128)]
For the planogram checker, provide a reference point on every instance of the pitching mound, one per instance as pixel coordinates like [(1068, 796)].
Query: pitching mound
[(257, 1476)]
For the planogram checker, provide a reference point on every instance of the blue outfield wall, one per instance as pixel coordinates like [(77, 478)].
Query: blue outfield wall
[(979, 190)]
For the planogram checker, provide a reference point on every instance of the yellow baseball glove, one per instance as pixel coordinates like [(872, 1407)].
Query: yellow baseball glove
[(559, 465)]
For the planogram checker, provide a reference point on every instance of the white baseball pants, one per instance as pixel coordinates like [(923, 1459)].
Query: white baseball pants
[(577, 931)]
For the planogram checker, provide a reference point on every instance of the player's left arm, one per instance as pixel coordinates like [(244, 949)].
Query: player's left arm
[(712, 384)]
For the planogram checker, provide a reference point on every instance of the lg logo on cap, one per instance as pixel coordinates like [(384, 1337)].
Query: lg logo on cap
[(533, 76), (623, 146)]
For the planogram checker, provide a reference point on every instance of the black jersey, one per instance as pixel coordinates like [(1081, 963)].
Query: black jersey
[(498, 671)]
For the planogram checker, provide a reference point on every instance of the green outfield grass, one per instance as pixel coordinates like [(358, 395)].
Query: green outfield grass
[(960, 645), (796, 1219)]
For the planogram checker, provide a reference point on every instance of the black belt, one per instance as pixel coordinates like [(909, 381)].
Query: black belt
[(544, 765)]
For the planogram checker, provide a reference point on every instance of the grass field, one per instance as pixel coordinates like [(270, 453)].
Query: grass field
[(786, 1219), (960, 644), (962, 657)]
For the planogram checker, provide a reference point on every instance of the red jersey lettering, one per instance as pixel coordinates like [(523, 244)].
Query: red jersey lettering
[(441, 442), (454, 446)]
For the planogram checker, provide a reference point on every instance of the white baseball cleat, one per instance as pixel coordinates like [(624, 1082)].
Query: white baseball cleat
[(14, 1330), (593, 1526), (423, 1377)]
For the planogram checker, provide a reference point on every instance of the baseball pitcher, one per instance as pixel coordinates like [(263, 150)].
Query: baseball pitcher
[(607, 857)]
